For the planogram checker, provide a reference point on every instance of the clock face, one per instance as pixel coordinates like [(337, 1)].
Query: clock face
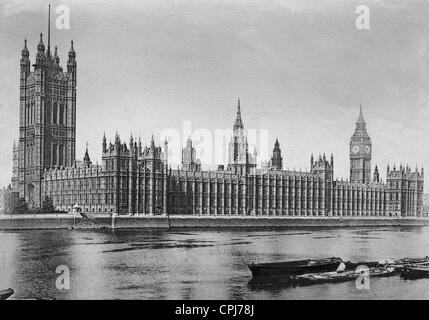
[(355, 149), (367, 149)]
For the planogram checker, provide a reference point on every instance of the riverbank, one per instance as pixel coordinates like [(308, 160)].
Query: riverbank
[(68, 221)]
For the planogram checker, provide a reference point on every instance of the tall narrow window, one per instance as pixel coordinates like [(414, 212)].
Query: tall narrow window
[(61, 114), (54, 155), (61, 162), (27, 115), (34, 112), (65, 115), (48, 155), (48, 113), (55, 114)]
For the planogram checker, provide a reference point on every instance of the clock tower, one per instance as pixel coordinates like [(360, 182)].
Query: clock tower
[(360, 153)]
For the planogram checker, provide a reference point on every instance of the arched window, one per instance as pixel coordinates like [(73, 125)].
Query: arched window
[(65, 115), (48, 155), (55, 114), (27, 114), (48, 112), (61, 162), (61, 114), (54, 155), (31, 113)]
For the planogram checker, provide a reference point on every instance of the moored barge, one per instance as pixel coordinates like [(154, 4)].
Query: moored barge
[(295, 267)]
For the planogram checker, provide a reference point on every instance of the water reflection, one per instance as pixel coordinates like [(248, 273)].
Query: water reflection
[(190, 264)]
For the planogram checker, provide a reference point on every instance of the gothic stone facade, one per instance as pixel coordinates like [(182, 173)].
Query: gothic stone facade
[(136, 180), (47, 125), (133, 180)]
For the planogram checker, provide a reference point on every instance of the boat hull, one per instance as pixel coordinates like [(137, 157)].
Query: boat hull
[(294, 267), (412, 273), (4, 294)]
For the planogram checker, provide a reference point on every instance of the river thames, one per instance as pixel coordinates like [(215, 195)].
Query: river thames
[(198, 264)]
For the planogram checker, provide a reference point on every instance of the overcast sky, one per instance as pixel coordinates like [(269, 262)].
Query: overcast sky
[(301, 69)]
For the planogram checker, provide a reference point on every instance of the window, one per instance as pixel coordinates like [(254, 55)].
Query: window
[(55, 114), (48, 113), (61, 115), (61, 162), (54, 154), (65, 115)]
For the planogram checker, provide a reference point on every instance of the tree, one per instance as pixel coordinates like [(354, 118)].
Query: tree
[(21, 206), (48, 205)]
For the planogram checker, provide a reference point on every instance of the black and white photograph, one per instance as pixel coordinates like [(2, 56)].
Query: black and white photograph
[(223, 150)]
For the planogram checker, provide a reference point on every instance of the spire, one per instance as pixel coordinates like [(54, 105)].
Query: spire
[(86, 158), (277, 160), (360, 130), (131, 140), (56, 57), (139, 146), (117, 139), (24, 52), (48, 52), (360, 121), (104, 143), (238, 123), (72, 53), (41, 46), (152, 142), (376, 177)]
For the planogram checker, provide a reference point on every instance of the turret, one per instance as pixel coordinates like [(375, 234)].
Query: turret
[(40, 56), (238, 124), (104, 145), (376, 177), (25, 60), (71, 63), (322, 167), (117, 144), (152, 143), (277, 160), (165, 152), (189, 161), (139, 146), (131, 144), (56, 58), (86, 158)]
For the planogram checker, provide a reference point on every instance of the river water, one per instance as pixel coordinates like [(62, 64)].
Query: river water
[(197, 264)]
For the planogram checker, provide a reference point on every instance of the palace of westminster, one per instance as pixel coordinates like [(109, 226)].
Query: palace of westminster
[(137, 180)]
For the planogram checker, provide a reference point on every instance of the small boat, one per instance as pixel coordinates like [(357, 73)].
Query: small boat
[(290, 268), (398, 263), (4, 294), (410, 261), (415, 271), (338, 277)]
